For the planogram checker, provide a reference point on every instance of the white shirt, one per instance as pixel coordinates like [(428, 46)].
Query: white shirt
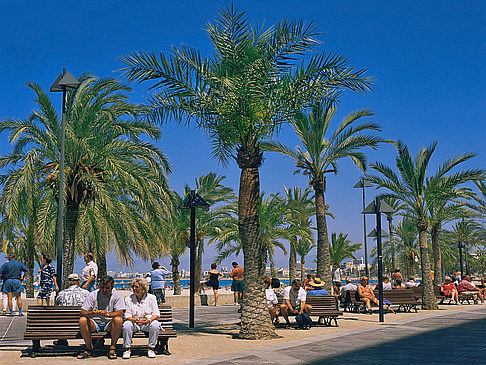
[(410, 284), (90, 269), (294, 298), (271, 297), (347, 287), (337, 275), (146, 308), (387, 286)]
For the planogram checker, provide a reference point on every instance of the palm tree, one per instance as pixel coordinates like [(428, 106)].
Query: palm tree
[(419, 193), (240, 96), (341, 248), (108, 165), (406, 231), (303, 247), (299, 210), (210, 188), (319, 156), (397, 206)]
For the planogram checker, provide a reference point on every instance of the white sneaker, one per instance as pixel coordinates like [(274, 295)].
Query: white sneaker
[(126, 354), (151, 354)]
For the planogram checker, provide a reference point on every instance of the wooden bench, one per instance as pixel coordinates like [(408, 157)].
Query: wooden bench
[(351, 303), (61, 322), (403, 298), (325, 307)]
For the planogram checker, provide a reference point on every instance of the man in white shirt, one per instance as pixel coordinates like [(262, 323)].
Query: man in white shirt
[(337, 278), (410, 283), (294, 298), (89, 273), (102, 311), (142, 314)]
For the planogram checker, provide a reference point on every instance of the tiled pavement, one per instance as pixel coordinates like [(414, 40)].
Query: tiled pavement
[(433, 339)]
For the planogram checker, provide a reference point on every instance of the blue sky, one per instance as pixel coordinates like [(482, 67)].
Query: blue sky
[(427, 61)]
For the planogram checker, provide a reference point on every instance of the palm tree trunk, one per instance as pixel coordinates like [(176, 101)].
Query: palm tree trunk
[(302, 269), (29, 256), (101, 261), (392, 243), (273, 270), (428, 299), (292, 260), (323, 256), (411, 262), (197, 274), (255, 321), (437, 256), (174, 262), (72, 210)]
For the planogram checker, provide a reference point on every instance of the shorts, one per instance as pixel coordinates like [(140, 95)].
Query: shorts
[(212, 284), (160, 295), (100, 325), (237, 285), (337, 283), (12, 286)]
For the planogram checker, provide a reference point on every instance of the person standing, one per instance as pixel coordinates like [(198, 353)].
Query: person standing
[(12, 273), (237, 284), (212, 281), (337, 279), (89, 273), (157, 281), (47, 278)]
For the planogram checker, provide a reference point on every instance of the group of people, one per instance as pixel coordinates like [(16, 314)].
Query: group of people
[(213, 277), (462, 285)]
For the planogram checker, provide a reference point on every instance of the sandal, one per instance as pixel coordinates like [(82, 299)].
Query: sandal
[(112, 354), (85, 354)]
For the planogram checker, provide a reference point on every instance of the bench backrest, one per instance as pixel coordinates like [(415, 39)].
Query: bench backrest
[(322, 302)]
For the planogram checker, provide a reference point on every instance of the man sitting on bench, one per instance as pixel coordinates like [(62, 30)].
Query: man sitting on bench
[(294, 297), (366, 295), (102, 311), (465, 287)]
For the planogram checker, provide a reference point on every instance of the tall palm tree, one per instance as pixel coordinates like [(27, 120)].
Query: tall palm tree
[(341, 248), (108, 164), (240, 96), (418, 193), (319, 156), (397, 206), (303, 246), (299, 210)]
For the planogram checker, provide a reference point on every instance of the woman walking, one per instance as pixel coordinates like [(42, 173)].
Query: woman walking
[(47, 278)]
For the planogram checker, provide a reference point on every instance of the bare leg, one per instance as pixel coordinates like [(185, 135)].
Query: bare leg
[(272, 312), (9, 299), (367, 303), (215, 291), (285, 313), (115, 328), (86, 327), (39, 301), (19, 301), (48, 301), (308, 309)]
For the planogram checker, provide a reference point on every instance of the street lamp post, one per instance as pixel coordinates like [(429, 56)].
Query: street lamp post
[(192, 201), (377, 207), (363, 183), (64, 82)]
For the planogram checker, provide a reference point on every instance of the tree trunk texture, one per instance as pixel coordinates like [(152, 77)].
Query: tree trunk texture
[(323, 256), (438, 279), (392, 243), (255, 320), (29, 256), (292, 260), (72, 213), (428, 299), (302, 269), (198, 273), (175, 276), (101, 261), (411, 263)]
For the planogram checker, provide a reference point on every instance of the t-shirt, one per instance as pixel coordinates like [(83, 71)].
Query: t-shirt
[(294, 298), (157, 278), (111, 303), (387, 286), (237, 273), (90, 269), (465, 285), (318, 292), (271, 297), (12, 270), (447, 289), (347, 287), (336, 276)]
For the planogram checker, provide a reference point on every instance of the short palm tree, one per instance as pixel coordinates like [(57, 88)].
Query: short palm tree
[(397, 206), (303, 246), (299, 210), (341, 248), (240, 96), (406, 233), (108, 164), (319, 155), (419, 193)]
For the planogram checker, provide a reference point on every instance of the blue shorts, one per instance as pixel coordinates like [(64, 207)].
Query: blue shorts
[(100, 325), (12, 286), (237, 286)]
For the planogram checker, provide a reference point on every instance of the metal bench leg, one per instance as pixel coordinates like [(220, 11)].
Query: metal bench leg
[(35, 348)]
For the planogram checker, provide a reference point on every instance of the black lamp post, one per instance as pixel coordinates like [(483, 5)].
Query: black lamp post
[(363, 183), (64, 82), (377, 207), (192, 201)]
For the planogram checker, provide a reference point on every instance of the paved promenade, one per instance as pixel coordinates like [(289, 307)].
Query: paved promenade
[(436, 338)]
